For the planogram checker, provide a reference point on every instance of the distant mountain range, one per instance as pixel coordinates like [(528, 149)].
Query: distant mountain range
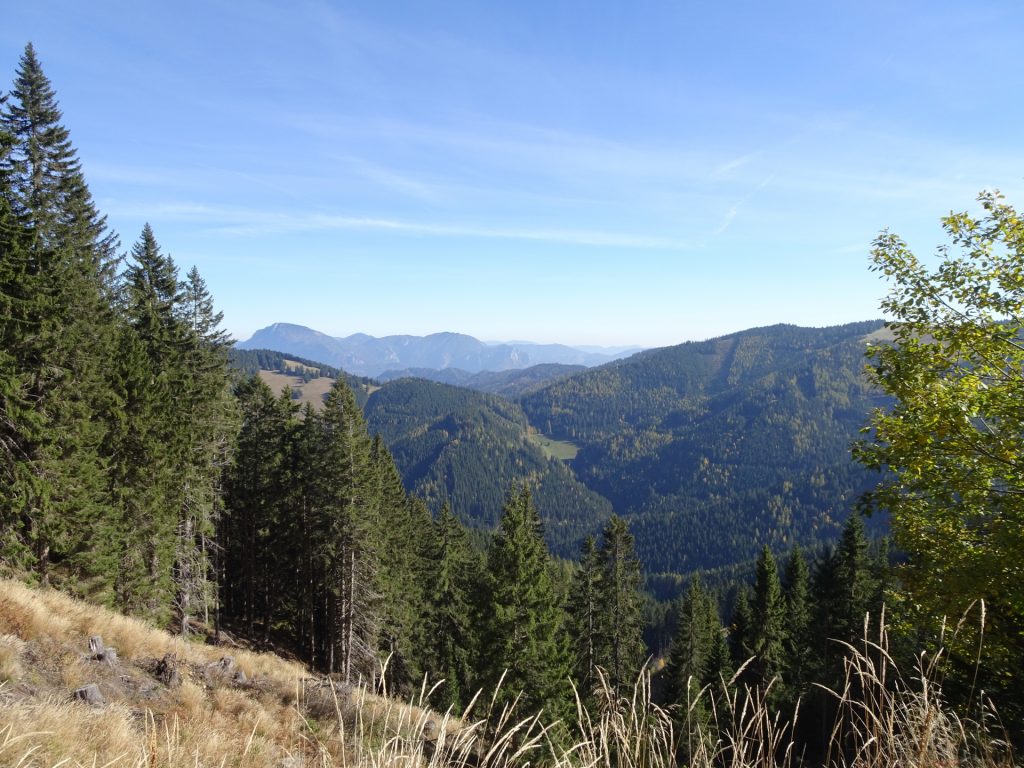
[(363, 355)]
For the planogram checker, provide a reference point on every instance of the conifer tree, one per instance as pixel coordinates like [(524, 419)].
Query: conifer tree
[(525, 638), (401, 533), (302, 477), (20, 321), (826, 655), (768, 625), (63, 336), (50, 189), (454, 616), (694, 658), (621, 627), (854, 583), (697, 665), (255, 498), (349, 514), (208, 443), (798, 643), (146, 438), (584, 619), (741, 629)]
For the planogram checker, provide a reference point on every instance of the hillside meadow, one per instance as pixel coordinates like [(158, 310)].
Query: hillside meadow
[(228, 706)]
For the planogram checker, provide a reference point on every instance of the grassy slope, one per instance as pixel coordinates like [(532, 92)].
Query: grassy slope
[(562, 450), (281, 715), (312, 391)]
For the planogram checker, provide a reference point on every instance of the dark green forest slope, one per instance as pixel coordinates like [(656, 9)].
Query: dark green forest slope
[(713, 449), (468, 448), (512, 383)]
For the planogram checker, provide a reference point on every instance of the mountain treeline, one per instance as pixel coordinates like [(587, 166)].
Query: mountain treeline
[(514, 383), (252, 361)]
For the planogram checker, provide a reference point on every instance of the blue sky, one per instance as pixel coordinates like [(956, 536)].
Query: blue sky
[(583, 172)]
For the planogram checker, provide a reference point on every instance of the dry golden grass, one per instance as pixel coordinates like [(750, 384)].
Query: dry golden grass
[(283, 716), (11, 649), (311, 392), (44, 614), (286, 718)]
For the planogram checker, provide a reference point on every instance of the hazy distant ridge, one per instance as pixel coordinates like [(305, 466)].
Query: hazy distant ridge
[(365, 355)]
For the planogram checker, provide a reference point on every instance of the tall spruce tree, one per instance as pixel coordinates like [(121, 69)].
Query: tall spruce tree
[(697, 667), (768, 624), (50, 188), (696, 657), (799, 643), (402, 534), (146, 439), (20, 320), (302, 479), (741, 631), (584, 620), (207, 446), (855, 584), (252, 530), (621, 607), (349, 515), (526, 642), (454, 615), (63, 336)]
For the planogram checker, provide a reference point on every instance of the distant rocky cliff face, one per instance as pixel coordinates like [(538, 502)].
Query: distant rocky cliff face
[(365, 355)]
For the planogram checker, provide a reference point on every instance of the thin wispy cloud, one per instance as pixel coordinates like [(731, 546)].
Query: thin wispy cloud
[(513, 135), (725, 169), (251, 223), (727, 220), (396, 181)]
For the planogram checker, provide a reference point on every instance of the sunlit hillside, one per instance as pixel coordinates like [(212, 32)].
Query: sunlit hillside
[(151, 699), (161, 700)]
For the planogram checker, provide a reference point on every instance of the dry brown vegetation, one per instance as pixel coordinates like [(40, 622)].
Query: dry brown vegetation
[(273, 713), (311, 392), (277, 714)]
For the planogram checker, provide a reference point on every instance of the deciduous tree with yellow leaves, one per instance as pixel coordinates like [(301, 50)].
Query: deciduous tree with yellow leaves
[(952, 444)]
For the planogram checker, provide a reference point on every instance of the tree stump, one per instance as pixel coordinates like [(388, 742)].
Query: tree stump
[(90, 694), (166, 671)]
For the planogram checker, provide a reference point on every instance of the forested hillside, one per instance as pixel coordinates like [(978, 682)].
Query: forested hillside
[(464, 448), (713, 449), (710, 449), (512, 383)]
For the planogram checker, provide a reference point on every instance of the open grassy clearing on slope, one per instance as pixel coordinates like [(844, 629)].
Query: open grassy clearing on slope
[(312, 392), (275, 713), (295, 365), (554, 449), (253, 710)]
